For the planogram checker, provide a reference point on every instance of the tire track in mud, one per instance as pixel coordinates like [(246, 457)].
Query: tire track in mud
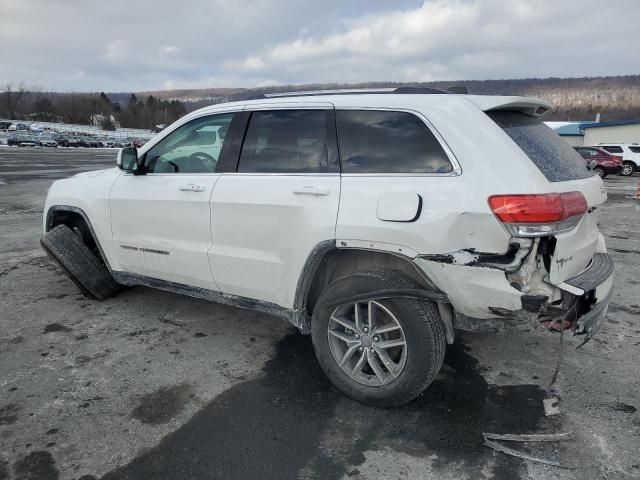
[(272, 427)]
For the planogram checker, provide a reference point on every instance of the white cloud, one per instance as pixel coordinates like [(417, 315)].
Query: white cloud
[(462, 39), (168, 51), (116, 51), (145, 44)]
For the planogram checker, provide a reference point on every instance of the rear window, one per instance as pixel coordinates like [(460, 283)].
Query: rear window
[(376, 141), (635, 149), (555, 158)]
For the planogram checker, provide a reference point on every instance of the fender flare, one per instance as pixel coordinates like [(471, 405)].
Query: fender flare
[(69, 208), (310, 270)]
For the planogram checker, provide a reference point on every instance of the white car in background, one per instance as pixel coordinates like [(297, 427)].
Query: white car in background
[(630, 154), (380, 222)]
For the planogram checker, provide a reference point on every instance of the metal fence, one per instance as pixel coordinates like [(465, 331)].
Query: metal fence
[(118, 134)]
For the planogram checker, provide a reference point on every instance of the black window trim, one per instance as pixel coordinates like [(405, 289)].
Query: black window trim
[(457, 169), (243, 126)]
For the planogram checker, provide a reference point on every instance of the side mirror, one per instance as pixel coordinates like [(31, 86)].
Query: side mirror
[(128, 160)]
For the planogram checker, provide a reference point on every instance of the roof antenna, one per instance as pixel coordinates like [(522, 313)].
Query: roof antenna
[(458, 89)]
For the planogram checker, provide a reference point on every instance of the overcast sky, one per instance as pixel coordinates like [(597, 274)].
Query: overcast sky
[(123, 45)]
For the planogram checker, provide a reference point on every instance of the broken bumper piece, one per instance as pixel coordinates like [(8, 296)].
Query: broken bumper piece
[(589, 323), (593, 291), (596, 284)]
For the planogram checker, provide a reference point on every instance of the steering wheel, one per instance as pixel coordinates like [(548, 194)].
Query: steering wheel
[(202, 156), (200, 159)]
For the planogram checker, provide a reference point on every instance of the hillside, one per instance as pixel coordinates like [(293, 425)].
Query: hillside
[(575, 98)]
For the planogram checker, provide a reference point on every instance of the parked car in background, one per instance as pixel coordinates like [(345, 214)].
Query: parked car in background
[(134, 142), (90, 142), (47, 141), (23, 140), (69, 141), (113, 143), (606, 163), (630, 154)]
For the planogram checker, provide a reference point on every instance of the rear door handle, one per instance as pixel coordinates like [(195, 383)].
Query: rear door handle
[(312, 190), (191, 187)]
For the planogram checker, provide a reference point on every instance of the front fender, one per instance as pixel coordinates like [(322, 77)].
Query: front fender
[(88, 195)]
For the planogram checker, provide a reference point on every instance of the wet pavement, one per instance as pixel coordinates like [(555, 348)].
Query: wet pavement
[(152, 385)]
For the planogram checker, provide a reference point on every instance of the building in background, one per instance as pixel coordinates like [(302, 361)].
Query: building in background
[(570, 131), (618, 131)]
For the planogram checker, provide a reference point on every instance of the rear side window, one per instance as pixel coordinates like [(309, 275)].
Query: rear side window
[(555, 158), (612, 149), (286, 141), (373, 141), (635, 149)]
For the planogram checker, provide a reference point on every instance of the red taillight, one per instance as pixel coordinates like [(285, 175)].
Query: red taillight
[(542, 208)]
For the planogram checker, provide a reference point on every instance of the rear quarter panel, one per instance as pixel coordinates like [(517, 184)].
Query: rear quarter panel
[(455, 213)]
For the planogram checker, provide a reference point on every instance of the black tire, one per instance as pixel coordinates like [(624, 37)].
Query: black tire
[(627, 169), (423, 330), (80, 264), (600, 172)]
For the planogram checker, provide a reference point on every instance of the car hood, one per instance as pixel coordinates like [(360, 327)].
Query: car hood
[(93, 173)]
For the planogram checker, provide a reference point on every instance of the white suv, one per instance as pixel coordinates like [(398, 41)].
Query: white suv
[(379, 222), (630, 154)]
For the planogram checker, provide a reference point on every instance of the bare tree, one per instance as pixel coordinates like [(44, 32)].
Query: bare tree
[(10, 98)]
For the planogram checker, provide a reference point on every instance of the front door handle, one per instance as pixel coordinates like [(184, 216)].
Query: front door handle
[(312, 190), (191, 187)]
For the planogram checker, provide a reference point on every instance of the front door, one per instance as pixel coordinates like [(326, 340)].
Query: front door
[(161, 220), (281, 201)]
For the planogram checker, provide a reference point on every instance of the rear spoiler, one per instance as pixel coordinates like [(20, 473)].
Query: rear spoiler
[(534, 107)]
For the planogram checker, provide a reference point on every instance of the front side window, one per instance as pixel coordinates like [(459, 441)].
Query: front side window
[(193, 148), (635, 149), (376, 141), (286, 141)]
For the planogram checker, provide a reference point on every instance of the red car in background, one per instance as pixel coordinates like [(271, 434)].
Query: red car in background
[(606, 163)]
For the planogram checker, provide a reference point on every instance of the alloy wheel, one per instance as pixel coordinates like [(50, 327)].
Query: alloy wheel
[(367, 342)]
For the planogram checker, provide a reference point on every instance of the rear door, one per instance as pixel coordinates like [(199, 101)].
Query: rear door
[(278, 203)]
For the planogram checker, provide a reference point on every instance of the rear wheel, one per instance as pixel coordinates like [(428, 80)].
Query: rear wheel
[(379, 352), (628, 168), (80, 264), (600, 172)]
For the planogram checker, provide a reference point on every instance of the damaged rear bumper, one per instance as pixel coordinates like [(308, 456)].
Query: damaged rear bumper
[(596, 288), (483, 298)]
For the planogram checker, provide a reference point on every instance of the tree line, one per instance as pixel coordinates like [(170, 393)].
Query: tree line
[(575, 99), (18, 102)]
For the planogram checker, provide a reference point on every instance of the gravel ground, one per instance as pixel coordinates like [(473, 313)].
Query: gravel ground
[(152, 385)]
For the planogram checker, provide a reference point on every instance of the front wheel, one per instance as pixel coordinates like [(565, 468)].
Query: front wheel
[(600, 172), (627, 169), (80, 264), (379, 352)]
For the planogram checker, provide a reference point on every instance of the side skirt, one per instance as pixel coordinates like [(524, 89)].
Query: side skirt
[(294, 317)]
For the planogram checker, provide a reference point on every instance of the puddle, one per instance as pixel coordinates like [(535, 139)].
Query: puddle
[(37, 465), (163, 404)]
